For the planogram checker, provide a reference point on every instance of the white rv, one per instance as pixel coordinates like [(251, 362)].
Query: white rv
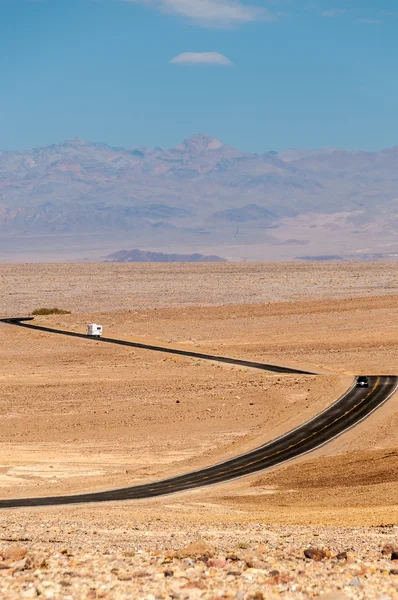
[(94, 330)]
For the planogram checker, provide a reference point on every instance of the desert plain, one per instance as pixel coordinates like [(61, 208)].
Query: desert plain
[(79, 415)]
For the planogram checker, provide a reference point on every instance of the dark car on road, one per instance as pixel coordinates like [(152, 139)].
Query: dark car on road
[(362, 382)]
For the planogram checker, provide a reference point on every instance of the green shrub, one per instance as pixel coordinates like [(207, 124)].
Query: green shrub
[(50, 311)]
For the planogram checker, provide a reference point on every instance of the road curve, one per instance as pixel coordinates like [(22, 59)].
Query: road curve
[(352, 408), (349, 410)]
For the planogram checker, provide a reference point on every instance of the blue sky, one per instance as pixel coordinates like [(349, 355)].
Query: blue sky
[(303, 74)]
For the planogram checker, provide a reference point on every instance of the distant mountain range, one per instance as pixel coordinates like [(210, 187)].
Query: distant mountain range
[(203, 194), (142, 256)]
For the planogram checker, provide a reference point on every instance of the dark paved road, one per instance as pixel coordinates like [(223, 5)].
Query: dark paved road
[(349, 410), (22, 322)]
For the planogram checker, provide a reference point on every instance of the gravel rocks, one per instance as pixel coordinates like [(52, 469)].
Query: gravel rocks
[(157, 560)]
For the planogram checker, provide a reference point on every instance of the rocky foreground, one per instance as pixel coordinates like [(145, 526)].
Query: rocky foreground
[(73, 560)]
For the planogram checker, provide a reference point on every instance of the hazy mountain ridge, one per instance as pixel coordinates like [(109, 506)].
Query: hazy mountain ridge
[(144, 256), (201, 187)]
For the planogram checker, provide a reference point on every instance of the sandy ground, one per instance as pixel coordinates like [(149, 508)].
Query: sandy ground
[(115, 287), (81, 412), (80, 415)]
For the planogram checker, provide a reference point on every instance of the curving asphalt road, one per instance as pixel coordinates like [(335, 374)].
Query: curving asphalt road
[(353, 407)]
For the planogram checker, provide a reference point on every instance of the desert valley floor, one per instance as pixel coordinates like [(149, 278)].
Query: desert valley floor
[(78, 415)]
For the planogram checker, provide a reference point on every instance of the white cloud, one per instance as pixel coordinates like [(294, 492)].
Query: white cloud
[(337, 12), (211, 12), (201, 58), (368, 21)]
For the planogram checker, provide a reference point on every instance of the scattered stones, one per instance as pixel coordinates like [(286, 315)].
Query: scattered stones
[(29, 593), (19, 565), (253, 560), (316, 554), (196, 585), (232, 556), (124, 576), (170, 556), (391, 550), (123, 562), (278, 580), (35, 561), (139, 574), (14, 553), (197, 549), (218, 563)]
